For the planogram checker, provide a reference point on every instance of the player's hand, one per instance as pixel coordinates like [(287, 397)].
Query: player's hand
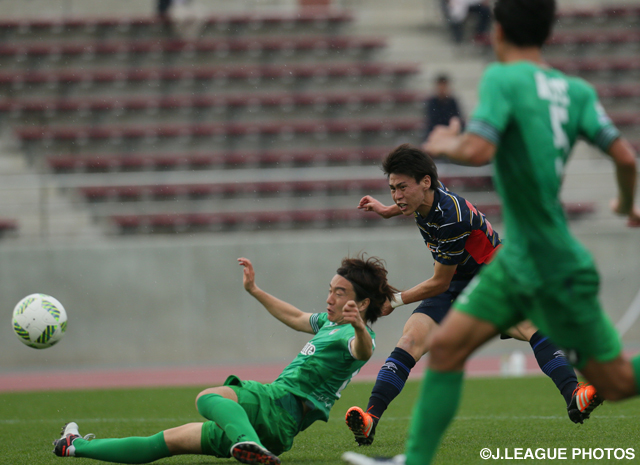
[(387, 308), (440, 140), (633, 216), (368, 203), (351, 315), (248, 275)]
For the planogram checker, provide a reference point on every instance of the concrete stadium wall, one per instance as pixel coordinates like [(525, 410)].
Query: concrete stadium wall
[(166, 302)]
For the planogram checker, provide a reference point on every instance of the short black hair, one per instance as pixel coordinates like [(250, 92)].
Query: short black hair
[(442, 78), (411, 161), (368, 276), (526, 23)]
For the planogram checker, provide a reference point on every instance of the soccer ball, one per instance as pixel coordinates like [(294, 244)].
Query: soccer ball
[(39, 321)]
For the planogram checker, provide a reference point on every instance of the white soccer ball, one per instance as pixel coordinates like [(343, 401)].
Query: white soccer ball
[(39, 321)]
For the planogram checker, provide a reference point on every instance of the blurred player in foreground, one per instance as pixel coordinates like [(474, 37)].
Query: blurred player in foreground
[(461, 240), (527, 121), (254, 422)]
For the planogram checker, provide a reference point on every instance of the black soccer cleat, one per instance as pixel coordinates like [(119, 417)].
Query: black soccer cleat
[(251, 453), (362, 425)]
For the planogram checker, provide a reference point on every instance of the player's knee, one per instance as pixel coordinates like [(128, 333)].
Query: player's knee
[(409, 343), (204, 393), (445, 355), (415, 344)]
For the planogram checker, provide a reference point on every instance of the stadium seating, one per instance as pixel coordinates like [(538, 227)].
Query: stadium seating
[(207, 107), (94, 100), (206, 160), (178, 52), (263, 189), (298, 23), (164, 81), (264, 220)]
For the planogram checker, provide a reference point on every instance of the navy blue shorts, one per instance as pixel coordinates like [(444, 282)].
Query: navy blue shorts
[(437, 307)]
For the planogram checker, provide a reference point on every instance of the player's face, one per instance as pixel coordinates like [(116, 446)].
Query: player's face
[(340, 292), (408, 194)]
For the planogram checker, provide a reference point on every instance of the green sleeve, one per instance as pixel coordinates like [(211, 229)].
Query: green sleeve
[(317, 321), (493, 112), (595, 125)]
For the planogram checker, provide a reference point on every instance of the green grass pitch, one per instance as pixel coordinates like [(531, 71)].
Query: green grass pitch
[(494, 413)]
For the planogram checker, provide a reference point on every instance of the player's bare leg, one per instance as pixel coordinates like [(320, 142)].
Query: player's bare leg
[(614, 380), (185, 439)]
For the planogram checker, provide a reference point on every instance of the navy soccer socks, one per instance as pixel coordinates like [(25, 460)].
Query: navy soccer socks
[(390, 382), (554, 364)]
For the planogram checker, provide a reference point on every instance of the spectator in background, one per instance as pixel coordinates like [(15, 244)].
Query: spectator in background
[(459, 10), (441, 107), (163, 7)]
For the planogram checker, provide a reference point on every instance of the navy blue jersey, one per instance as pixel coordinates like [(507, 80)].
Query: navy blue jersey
[(457, 233)]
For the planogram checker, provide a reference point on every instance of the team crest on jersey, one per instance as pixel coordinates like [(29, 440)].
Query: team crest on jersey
[(308, 349)]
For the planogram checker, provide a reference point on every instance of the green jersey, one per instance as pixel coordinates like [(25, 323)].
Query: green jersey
[(323, 368), (534, 115)]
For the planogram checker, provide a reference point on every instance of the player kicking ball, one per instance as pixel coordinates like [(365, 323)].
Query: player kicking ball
[(461, 240), (254, 422), (528, 118)]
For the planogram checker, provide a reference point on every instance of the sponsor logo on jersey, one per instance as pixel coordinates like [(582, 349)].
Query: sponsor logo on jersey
[(308, 349), (334, 331)]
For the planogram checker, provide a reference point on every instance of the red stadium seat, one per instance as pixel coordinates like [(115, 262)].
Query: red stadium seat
[(71, 133), (242, 44), (263, 188), (206, 73), (302, 17), (205, 101), (180, 222)]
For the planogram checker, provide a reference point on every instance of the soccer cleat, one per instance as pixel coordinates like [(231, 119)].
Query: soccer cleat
[(250, 452), (359, 459), (64, 445), (362, 425), (584, 400)]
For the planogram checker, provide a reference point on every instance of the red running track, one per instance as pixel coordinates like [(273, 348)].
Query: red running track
[(200, 375)]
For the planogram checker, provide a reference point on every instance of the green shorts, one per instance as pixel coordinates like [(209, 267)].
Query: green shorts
[(566, 309), (274, 412)]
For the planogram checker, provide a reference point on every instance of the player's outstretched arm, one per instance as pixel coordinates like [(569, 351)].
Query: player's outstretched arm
[(368, 203), (624, 158), (462, 148), (435, 285), (283, 311), (362, 344)]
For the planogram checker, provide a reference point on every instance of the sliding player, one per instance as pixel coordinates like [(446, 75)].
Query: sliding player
[(254, 422)]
